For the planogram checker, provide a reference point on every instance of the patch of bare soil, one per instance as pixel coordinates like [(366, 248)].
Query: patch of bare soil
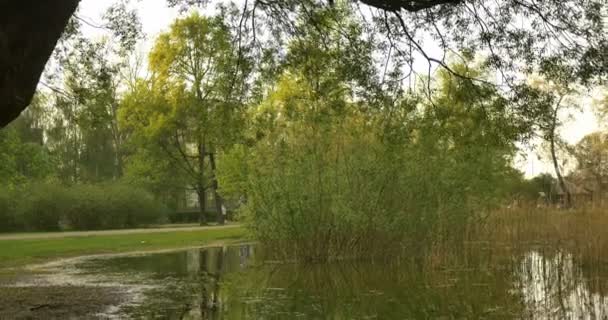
[(57, 302)]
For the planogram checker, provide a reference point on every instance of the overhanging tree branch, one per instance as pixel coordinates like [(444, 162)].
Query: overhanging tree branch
[(412, 6)]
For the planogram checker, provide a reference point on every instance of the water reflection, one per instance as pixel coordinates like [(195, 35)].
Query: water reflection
[(553, 286), (228, 283)]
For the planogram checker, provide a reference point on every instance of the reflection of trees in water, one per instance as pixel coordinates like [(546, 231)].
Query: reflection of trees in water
[(554, 286), (223, 283), (189, 282), (367, 290), (206, 268)]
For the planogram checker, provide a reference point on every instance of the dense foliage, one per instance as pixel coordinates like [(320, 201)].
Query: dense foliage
[(326, 178), (47, 206), (333, 168), (196, 95)]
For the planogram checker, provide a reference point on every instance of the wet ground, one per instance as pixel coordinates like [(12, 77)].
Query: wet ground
[(57, 291), (58, 302), (231, 282)]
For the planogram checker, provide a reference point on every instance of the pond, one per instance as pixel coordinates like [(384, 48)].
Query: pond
[(232, 283)]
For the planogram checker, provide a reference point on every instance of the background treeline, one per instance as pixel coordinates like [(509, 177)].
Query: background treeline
[(61, 161)]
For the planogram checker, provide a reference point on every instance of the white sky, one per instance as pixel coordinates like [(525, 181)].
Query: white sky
[(156, 17), (154, 14)]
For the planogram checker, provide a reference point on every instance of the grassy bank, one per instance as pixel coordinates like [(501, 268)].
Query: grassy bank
[(17, 253)]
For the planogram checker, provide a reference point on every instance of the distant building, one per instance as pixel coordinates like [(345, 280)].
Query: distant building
[(597, 185), (580, 194), (189, 201)]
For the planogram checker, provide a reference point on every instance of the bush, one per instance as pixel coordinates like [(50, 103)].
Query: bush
[(52, 207), (8, 215), (133, 207), (42, 205), (112, 206), (177, 216), (87, 208)]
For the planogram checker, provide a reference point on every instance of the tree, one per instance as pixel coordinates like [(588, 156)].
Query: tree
[(23, 156), (85, 78), (85, 130), (557, 97), (193, 100), (513, 33), (551, 136), (600, 105), (592, 155), (543, 183)]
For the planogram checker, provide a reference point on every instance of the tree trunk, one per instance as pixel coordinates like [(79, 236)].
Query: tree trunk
[(558, 173), (218, 199), (116, 136), (560, 178), (201, 187), (202, 220)]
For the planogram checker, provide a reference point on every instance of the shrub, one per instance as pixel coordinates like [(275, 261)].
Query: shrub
[(42, 205), (47, 206), (9, 221), (133, 207), (88, 209), (177, 216), (112, 206)]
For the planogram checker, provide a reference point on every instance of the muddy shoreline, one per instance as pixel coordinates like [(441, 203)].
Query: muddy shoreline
[(58, 302), (58, 289)]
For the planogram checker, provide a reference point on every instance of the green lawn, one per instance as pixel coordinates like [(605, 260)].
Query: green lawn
[(16, 253)]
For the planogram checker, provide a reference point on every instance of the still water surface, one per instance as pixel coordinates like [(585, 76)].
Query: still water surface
[(230, 283)]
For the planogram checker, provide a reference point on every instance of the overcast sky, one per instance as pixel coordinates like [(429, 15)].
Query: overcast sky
[(156, 17)]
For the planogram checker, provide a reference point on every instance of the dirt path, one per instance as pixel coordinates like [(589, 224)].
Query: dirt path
[(51, 235)]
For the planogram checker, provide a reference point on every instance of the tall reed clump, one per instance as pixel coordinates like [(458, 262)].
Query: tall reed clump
[(325, 175), (580, 230), (346, 189)]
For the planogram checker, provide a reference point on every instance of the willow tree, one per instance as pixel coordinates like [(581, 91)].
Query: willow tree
[(517, 35), (198, 83)]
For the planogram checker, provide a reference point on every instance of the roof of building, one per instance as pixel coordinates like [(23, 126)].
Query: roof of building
[(573, 188)]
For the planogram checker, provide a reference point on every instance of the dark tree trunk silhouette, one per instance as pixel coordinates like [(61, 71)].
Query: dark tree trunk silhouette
[(29, 31), (412, 6)]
